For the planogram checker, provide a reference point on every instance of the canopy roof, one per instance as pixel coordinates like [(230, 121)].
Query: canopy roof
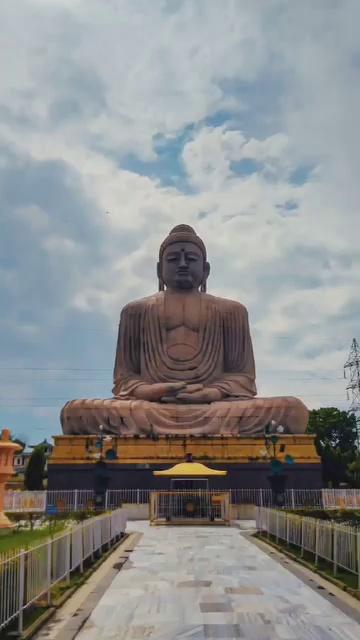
[(189, 470)]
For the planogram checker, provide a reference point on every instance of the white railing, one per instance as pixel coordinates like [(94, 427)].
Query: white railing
[(115, 497), (84, 499), (70, 500), (28, 576), (341, 498), (338, 544), (21, 501)]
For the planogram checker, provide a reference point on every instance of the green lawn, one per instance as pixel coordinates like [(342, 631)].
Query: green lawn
[(342, 516), (24, 539)]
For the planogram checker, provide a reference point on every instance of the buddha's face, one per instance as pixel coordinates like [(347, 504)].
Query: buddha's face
[(183, 266)]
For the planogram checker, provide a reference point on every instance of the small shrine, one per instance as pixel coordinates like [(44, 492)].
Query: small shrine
[(7, 451)]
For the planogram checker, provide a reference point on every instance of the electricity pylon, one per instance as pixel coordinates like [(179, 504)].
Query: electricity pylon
[(352, 374)]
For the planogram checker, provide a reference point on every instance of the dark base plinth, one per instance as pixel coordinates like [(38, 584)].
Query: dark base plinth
[(77, 462), (140, 476)]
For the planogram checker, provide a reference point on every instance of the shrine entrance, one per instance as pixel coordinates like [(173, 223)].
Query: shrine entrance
[(189, 500), (190, 507)]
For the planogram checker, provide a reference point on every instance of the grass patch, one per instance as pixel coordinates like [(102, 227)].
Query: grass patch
[(345, 578), (27, 538), (340, 516)]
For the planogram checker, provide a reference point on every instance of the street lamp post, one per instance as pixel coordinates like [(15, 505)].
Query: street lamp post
[(277, 477)]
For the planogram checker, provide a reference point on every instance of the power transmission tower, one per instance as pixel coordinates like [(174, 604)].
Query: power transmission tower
[(352, 374)]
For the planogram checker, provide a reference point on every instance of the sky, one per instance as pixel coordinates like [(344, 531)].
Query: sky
[(122, 118)]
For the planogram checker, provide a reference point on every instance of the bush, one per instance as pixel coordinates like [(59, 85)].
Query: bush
[(35, 470)]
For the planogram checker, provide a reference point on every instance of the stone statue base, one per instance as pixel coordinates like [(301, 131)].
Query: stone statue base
[(73, 462), (135, 417)]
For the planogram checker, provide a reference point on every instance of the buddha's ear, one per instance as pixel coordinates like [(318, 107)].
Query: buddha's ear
[(206, 275), (206, 270), (159, 275)]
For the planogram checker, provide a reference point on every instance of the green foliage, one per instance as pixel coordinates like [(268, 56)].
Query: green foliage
[(354, 471), (342, 516), (335, 441), (25, 539), (35, 470)]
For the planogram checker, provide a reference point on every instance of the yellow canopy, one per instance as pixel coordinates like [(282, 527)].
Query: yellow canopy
[(189, 469)]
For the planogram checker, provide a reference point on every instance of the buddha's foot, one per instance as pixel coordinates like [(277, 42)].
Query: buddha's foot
[(229, 417)]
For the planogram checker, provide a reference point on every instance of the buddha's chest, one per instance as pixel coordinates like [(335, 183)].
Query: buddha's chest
[(182, 322), (183, 311)]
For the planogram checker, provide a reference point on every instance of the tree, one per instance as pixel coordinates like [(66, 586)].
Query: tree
[(35, 470), (354, 471), (335, 440)]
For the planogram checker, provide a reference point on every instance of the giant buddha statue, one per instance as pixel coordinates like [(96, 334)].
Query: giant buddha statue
[(184, 361)]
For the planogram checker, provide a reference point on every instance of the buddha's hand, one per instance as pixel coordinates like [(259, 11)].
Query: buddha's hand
[(155, 392), (186, 388), (202, 396)]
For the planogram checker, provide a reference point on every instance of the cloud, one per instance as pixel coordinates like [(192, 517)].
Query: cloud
[(119, 120)]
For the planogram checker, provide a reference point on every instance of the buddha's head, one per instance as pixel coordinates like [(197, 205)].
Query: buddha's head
[(182, 261)]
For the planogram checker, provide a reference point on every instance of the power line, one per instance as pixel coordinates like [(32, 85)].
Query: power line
[(51, 369), (56, 406), (108, 369)]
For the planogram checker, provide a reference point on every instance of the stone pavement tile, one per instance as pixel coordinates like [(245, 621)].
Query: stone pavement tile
[(214, 607), (170, 593), (244, 590), (194, 584), (222, 631)]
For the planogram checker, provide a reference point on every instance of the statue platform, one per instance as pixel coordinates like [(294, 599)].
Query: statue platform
[(130, 461)]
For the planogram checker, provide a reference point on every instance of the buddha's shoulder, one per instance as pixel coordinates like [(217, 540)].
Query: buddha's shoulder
[(226, 304), (142, 303)]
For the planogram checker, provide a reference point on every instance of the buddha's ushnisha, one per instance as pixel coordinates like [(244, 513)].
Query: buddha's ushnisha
[(184, 361)]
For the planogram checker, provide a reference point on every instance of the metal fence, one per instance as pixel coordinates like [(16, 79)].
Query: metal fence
[(27, 577), (338, 544), (196, 506), (34, 501), (83, 499)]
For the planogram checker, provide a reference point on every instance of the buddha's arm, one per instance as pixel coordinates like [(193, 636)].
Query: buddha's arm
[(238, 379), (127, 376), (128, 382)]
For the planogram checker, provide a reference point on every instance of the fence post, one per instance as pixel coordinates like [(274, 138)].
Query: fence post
[(335, 551), (106, 499), (277, 526), (48, 571), (302, 537), (21, 590), (76, 500), (358, 556), (287, 516), (261, 498), (316, 542), (292, 499), (92, 542), (82, 549), (68, 557), (137, 496)]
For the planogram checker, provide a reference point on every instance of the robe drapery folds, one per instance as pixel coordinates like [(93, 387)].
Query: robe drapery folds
[(224, 357)]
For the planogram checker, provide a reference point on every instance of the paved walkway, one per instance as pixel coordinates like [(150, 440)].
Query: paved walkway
[(202, 583)]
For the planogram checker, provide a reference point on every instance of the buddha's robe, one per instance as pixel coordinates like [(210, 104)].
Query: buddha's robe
[(194, 339)]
